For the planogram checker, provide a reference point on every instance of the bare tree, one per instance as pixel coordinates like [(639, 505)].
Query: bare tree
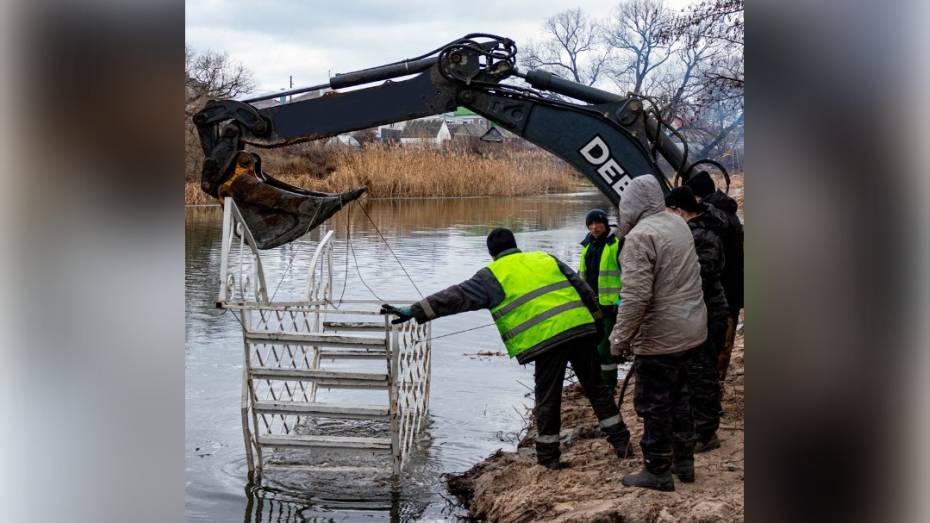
[(638, 33), (572, 48), (213, 75), (713, 105), (719, 21), (208, 75)]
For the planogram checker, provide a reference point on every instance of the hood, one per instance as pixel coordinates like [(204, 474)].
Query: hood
[(642, 197), (720, 200), (711, 218)]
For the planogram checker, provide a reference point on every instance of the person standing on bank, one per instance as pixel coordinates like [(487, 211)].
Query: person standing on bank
[(707, 192), (662, 319), (600, 268), (545, 314), (707, 224)]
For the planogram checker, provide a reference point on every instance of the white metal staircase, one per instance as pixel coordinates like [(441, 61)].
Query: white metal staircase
[(294, 351)]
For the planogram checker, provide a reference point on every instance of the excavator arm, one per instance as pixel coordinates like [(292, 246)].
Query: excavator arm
[(609, 138)]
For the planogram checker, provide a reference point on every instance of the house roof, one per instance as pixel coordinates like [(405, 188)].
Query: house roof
[(466, 129), (422, 128)]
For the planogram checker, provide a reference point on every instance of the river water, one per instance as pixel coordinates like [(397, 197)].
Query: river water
[(477, 403)]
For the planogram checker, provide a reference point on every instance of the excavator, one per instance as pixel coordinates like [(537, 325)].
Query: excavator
[(609, 138)]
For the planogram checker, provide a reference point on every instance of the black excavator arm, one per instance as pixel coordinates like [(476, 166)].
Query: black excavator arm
[(609, 138)]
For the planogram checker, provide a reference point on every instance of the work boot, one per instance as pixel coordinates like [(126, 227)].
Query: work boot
[(554, 465), (619, 436), (548, 454), (684, 469), (710, 444), (647, 479)]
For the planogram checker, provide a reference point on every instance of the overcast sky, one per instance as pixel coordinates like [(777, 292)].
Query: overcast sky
[(313, 39)]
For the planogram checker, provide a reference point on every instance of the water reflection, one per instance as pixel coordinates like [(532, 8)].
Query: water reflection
[(473, 400)]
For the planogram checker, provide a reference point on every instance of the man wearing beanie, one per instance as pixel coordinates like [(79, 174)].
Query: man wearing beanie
[(662, 320), (706, 223), (706, 192), (546, 314), (600, 268)]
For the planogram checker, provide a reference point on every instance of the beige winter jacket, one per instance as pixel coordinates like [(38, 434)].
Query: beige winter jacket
[(662, 305)]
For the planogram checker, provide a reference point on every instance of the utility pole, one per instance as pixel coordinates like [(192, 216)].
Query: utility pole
[(291, 86)]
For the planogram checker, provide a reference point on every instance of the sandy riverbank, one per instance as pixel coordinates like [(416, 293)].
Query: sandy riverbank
[(510, 487)]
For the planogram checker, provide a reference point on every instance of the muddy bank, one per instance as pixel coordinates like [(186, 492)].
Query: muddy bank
[(510, 487)]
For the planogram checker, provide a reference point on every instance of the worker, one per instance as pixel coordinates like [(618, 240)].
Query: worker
[(545, 314), (600, 268), (662, 320), (706, 192), (707, 223)]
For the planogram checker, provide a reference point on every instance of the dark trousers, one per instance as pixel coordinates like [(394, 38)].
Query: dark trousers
[(661, 399), (608, 367), (704, 381), (723, 359), (550, 375)]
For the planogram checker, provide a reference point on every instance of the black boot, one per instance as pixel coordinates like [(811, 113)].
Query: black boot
[(710, 443), (656, 474), (647, 479), (619, 436), (548, 454), (684, 469), (683, 460)]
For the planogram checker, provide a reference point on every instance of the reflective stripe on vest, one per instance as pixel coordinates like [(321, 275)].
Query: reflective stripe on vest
[(608, 275), (539, 301)]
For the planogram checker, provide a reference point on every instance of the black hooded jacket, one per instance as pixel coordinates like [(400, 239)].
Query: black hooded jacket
[(707, 229), (733, 249)]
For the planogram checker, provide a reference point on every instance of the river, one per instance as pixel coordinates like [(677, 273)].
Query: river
[(477, 403)]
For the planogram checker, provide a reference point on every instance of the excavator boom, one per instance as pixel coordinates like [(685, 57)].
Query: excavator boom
[(609, 138)]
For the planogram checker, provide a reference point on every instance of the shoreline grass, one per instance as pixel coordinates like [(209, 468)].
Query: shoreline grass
[(417, 172)]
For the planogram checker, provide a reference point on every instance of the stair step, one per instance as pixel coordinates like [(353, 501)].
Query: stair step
[(333, 442), (318, 339), (326, 378), (322, 409), (353, 354), (366, 326), (319, 469)]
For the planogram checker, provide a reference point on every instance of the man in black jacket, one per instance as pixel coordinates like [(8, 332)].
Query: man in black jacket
[(706, 224), (706, 192), (546, 314)]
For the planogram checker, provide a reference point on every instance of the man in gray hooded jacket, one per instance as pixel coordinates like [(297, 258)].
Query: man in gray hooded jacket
[(662, 319)]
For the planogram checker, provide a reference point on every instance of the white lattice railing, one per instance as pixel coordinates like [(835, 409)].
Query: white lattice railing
[(286, 345)]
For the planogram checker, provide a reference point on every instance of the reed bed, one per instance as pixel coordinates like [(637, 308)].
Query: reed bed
[(417, 172)]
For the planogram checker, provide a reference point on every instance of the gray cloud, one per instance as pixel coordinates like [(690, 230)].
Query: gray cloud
[(309, 40)]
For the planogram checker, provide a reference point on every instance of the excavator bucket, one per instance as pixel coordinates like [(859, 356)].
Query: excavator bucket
[(276, 212)]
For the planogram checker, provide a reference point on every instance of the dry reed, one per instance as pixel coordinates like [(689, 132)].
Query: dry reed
[(412, 172)]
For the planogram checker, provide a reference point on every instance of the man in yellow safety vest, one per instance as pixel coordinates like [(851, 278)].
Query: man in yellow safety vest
[(600, 268), (546, 314)]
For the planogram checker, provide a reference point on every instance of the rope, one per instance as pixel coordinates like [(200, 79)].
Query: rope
[(463, 330), (388, 245)]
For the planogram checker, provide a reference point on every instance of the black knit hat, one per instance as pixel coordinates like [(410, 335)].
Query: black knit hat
[(702, 184), (682, 198), (595, 215), (499, 240)]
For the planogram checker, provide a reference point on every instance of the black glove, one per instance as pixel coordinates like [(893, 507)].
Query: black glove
[(403, 313), (599, 326)]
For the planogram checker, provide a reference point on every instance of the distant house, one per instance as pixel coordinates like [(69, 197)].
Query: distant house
[(495, 135), (431, 131), (389, 135), (465, 131)]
